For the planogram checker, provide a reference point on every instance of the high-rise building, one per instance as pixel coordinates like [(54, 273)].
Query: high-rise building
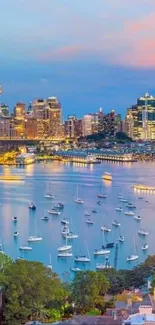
[(19, 119), (70, 127), (30, 126), (4, 127), (54, 117), (38, 109), (4, 110), (87, 125), (140, 119)]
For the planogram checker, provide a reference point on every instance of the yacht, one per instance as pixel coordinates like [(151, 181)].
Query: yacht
[(32, 206), (116, 223), (131, 258), (64, 221), (137, 218), (54, 212), (102, 196), (118, 209), (121, 238), (123, 200), (106, 229), (71, 235), (75, 269), (87, 214), (131, 206), (25, 248), (14, 219), (129, 213), (59, 206), (34, 239), (89, 222), (77, 199), (65, 230), (145, 247), (49, 196), (65, 254), (142, 232), (15, 234), (82, 259), (107, 176), (65, 247), (101, 252)]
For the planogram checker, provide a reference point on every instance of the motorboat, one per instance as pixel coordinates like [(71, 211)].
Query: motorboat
[(89, 222), (14, 219), (137, 218), (108, 245), (54, 212), (65, 254), (101, 252), (106, 229), (131, 206), (15, 234), (65, 230), (107, 176), (94, 211), (129, 213), (87, 214), (25, 248), (145, 247), (49, 196), (121, 238), (100, 266), (102, 196), (45, 218), (116, 223), (75, 269), (64, 221), (32, 206), (34, 239), (59, 206), (142, 232), (120, 196), (118, 209), (71, 235), (82, 259), (131, 258)]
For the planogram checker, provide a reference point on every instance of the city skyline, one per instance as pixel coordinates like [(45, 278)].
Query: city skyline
[(87, 54)]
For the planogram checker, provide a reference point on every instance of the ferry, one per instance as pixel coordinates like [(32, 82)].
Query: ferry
[(141, 187), (107, 176)]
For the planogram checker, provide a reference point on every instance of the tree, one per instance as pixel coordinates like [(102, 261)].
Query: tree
[(87, 286), (30, 288)]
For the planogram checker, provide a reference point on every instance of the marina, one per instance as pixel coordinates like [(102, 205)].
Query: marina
[(71, 225)]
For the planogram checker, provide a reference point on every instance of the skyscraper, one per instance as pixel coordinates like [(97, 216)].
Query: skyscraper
[(54, 116), (19, 119)]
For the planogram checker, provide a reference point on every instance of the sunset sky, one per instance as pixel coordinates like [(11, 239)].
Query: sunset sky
[(88, 53)]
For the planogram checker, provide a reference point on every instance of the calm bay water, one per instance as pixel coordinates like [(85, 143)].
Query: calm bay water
[(15, 197)]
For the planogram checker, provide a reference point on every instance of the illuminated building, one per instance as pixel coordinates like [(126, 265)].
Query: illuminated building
[(4, 110), (19, 119), (140, 119), (38, 108), (30, 126), (5, 127), (54, 117), (87, 125)]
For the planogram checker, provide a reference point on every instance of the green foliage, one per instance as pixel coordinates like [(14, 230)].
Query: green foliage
[(87, 287), (30, 288)]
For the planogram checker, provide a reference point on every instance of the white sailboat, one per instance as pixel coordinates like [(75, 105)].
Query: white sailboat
[(65, 247), (130, 205), (54, 212), (106, 265), (145, 247), (45, 217), (121, 237), (34, 238), (83, 258), (106, 229), (77, 199), (25, 248), (65, 230), (15, 234), (71, 235), (138, 218), (48, 194), (101, 251), (65, 254), (118, 209), (75, 269), (89, 221), (50, 262), (142, 232), (101, 195), (65, 221), (116, 223), (129, 213), (87, 213), (133, 257)]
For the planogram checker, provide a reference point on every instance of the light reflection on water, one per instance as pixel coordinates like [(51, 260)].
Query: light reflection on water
[(15, 196)]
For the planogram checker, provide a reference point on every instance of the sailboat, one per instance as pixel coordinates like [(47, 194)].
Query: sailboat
[(45, 217), (106, 229), (82, 258), (89, 221), (65, 247), (129, 213), (34, 238), (65, 230), (1, 249), (65, 254), (77, 199), (48, 194), (145, 247), (142, 232), (50, 262), (100, 266), (65, 221), (54, 212), (15, 234), (121, 237), (132, 257), (25, 248), (101, 195), (102, 250), (87, 213), (75, 269)]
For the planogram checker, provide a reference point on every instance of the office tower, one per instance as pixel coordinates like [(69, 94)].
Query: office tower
[(4, 110), (38, 109), (19, 119), (54, 117), (4, 127), (140, 119), (70, 127), (87, 125), (30, 126)]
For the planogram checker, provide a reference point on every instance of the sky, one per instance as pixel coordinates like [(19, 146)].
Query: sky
[(88, 53)]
